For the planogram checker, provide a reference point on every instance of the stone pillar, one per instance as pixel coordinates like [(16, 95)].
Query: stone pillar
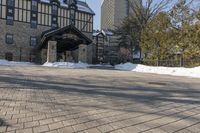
[(89, 53), (52, 51), (69, 57), (43, 56), (82, 53)]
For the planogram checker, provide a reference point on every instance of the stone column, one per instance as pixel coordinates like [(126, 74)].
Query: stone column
[(43, 56), (69, 57), (52, 51), (82, 53)]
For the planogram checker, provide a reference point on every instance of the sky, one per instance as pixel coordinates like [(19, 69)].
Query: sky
[(96, 7)]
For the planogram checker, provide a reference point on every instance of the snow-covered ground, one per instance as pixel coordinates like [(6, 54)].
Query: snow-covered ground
[(66, 65), (175, 71), (5, 62), (72, 65)]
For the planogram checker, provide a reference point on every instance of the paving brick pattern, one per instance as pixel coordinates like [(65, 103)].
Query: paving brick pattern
[(36, 99)]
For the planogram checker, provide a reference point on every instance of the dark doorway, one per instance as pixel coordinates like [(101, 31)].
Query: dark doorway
[(9, 56)]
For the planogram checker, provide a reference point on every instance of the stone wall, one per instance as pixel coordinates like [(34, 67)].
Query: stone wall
[(21, 48), (21, 36), (52, 51)]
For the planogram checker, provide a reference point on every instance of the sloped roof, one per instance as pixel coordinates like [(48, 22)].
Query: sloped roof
[(104, 32), (68, 29), (82, 6)]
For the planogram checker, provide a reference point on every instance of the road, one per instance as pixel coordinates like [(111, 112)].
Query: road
[(40, 99)]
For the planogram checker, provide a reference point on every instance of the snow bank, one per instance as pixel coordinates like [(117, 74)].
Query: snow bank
[(66, 65), (175, 71), (72, 65), (5, 62)]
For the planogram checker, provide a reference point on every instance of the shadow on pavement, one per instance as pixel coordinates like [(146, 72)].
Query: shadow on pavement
[(147, 95)]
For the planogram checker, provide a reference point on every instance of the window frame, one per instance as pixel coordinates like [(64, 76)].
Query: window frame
[(9, 40), (31, 41), (33, 24), (34, 5), (54, 9), (10, 3)]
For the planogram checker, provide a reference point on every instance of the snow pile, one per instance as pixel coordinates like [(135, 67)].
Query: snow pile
[(175, 71), (66, 65), (74, 65), (5, 62)]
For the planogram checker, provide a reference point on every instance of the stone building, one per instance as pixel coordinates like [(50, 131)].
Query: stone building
[(107, 47), (46, 30)]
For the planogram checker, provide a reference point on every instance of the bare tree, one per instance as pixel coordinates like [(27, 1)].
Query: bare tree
[(141, 12), (144, 10)]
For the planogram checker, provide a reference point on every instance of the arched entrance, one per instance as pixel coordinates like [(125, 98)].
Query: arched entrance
[(9, 56)]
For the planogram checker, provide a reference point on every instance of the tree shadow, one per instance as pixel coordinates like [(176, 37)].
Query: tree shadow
[(147, 95), (161, 93)]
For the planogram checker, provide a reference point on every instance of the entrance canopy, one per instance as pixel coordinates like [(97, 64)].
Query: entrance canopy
[(68, 38)]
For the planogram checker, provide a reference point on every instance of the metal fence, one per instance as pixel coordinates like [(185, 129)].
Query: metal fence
[(172, 63)]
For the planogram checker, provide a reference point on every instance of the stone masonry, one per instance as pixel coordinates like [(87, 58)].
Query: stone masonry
[(52, 51), (21, 36), (83, 53)]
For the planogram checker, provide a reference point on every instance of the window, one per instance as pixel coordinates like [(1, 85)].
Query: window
[(9, 39), (33, 24), (54, 9), (34, 15), (10, 11), (54, 25), (10, 2), (33, 41), (9, 56), (9, 20), (34, 5)]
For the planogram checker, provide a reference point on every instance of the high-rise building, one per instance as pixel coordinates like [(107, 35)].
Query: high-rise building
[(113, 13)]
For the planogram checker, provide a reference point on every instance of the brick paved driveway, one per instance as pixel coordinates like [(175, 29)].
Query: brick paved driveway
[(38, 99)]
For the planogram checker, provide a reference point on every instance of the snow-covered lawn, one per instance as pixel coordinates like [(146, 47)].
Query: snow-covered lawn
[(5, 62), (175, 71)]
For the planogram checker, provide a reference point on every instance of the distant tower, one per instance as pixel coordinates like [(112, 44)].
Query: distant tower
[(113, 13)]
